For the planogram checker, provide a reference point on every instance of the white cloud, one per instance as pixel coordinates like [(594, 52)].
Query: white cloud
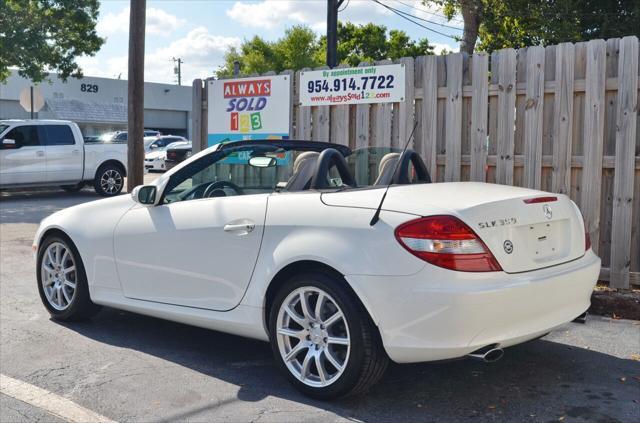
[(272, 14), (201, 52), (439, 47), (158, 22)]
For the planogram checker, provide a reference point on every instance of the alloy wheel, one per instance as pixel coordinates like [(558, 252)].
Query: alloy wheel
[(313, 336), (59, 276), (111, 181)]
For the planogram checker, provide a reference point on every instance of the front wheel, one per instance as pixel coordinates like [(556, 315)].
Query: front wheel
[(62, 281), (323, 339), (109, 180)]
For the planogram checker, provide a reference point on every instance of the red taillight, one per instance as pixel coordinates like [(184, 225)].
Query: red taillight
[(540, 200), (447, 242)]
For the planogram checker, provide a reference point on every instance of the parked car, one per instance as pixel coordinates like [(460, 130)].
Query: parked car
[(52, 152), (177, 153), (92, 138), (123, 136), (278, 242), (162, 142), (154, 160)]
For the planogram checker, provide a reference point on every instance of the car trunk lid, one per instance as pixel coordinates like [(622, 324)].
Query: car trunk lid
[(523, 236)]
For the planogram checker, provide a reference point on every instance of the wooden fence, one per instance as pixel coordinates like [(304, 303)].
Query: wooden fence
[(561, 118)]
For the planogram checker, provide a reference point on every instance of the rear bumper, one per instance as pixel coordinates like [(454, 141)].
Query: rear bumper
[(439, 314)]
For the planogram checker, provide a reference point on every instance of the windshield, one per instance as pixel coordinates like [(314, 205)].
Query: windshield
[(3, 127)]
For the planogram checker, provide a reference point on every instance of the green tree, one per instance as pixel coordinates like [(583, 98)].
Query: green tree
[(372, 42), (38, 36), (518, 23), (295, 50), (301, 48)]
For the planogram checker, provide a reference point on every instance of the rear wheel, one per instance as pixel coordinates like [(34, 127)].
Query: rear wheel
[(323, 338), (109, 180), (62, 281)]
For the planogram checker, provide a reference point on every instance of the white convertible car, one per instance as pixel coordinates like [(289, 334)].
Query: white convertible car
[(279, 241)]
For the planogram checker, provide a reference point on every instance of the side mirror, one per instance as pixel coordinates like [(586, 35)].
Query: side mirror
[(262, 161), (9, 143), (145, 194)]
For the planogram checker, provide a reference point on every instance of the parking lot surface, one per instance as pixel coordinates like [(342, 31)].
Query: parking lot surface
[(128, 367)]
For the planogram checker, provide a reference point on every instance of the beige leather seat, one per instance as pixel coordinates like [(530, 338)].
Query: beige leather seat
[(303, 170), (386, 167)]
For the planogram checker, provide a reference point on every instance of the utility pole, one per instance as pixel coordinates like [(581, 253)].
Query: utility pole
[(332, 32), (177, 70), (135, 151)]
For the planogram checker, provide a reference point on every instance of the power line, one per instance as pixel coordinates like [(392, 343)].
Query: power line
[(345, 6), (427, 20), (400, 13), (428, 12)]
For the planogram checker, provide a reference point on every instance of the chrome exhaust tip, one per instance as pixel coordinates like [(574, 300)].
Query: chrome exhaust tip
[(488, 354)]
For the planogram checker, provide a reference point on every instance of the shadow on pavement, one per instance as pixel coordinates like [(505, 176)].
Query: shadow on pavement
[(537, 381), (34, 205)]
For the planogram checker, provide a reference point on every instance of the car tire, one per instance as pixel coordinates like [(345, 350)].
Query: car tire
[(73, 188), (63, 302), (109, 180), (358, 365)]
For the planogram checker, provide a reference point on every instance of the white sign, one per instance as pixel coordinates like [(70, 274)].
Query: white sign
[(249, 108), (368, 84), (25, 99)]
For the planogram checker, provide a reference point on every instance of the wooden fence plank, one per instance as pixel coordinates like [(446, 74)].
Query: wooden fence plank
[(479, 115), (320, 129), (339, 122), (406, 107), (533, 114), (303, 113), (453, 128), (430, 114), (593, 125), (563, 116), (381, 115), (627, 109), (506, 115)]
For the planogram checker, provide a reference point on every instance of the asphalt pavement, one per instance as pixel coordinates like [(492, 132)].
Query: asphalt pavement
[(128, 367)]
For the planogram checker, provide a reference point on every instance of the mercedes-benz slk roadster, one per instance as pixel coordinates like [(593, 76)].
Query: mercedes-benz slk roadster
[(341, 260)]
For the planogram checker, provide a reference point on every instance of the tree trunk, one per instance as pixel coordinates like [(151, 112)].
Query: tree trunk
[(472, 15)]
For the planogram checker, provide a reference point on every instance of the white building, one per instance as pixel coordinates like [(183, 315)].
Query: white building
[(99, 105)]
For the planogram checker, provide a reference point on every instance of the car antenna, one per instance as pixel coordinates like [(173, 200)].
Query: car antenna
[(376, 215)]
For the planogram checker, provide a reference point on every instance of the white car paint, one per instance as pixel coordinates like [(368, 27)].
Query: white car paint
[(46, 165), (154, 160), (176, 261)]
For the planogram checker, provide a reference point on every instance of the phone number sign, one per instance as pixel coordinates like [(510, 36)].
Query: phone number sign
[(369, 84), (248, 108)]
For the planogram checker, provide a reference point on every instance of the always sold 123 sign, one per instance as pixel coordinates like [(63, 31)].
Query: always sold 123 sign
[(248, 108)]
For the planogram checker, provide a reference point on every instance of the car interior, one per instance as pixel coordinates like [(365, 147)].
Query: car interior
[(265, 169)]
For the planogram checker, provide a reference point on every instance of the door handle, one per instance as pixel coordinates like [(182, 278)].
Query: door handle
[(40, 153), (75, 152), (246, 227)]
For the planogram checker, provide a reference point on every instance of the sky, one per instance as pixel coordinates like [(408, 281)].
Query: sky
[(200, 31)]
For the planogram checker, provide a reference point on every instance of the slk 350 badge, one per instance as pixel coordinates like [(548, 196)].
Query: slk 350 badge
[(497, 222)]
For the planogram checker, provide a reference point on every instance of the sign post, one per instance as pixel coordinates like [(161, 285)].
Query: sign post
[(248, 108), (31, 100)]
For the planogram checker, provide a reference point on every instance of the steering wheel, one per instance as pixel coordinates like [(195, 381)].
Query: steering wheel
[(220, 185)]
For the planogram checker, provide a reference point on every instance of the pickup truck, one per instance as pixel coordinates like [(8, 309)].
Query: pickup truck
[(37, 153)]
